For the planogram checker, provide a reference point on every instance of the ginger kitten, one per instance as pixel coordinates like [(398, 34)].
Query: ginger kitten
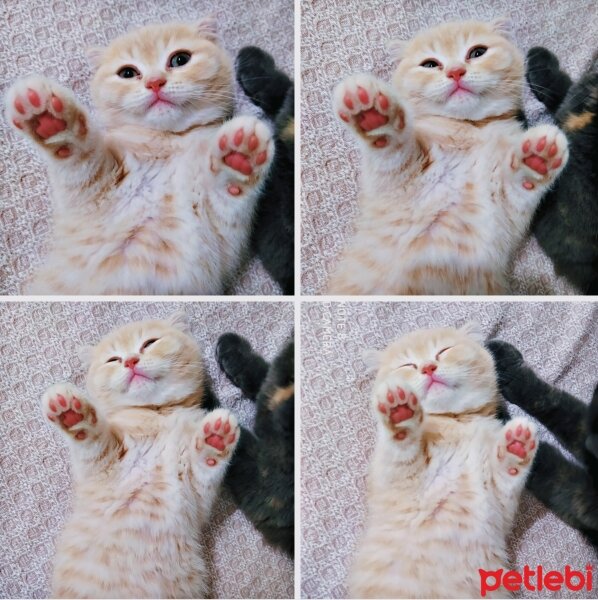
[(450, 179), (155, 195), (446, 475), (147, 464)]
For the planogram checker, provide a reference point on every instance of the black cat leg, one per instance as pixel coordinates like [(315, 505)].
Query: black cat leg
[(548, 83), (246, 369)]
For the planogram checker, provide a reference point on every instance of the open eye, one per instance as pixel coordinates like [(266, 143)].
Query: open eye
[(178, 59), (148, 343), (128, 72), (408, 365), (430, 64), (477, 51), (441, 351), (114, 359)]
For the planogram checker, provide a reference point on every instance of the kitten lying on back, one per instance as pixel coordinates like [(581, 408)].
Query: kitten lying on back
[(147, 464), (450, 180), (159, 198), (446, 475)]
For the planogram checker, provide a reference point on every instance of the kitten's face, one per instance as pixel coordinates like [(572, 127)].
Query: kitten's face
[(163, 77), (447, 369), (145, 363), (463, 70)]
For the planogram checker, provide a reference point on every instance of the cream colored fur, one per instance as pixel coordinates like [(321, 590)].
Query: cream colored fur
[(145, 473), (141, 193), (443, 487), (446, 196)]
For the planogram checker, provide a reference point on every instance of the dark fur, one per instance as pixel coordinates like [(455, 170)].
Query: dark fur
[(569, 489), (261, 474), (273, 236), (566, 223)]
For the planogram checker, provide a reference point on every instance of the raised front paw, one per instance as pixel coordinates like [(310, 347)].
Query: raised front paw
[(517, 445), (65, 406), (398, 408), (243, 151), (47, 112), (369, 106), (541, 156), (219, 436)]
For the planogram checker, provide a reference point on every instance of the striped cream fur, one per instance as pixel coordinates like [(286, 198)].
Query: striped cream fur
[(444, 484), (147, 464), (446, 192), (143, 200)]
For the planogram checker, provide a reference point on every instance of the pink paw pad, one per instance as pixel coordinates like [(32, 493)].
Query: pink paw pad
[(398, 405), (57, 103), (537, 163), (66, 412), (400, 413), (519, 441), (48, 125), (33, 97), (217, 434), (371, 119), (362, 95), (238, 162)]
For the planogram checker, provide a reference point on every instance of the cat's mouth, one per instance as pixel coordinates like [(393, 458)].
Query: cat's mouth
[(435, 381), (460, 90), (160, 101), (138, 376)]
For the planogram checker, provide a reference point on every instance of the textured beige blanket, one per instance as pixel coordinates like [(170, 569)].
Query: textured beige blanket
[(340, 37), (47, 37), (38, 348), (559, 339)]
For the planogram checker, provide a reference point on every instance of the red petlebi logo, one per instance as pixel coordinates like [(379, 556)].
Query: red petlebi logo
[(536, 581)]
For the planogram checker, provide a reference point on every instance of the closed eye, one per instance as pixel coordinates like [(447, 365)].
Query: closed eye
[(441, 351), (114, 359), (148, 343), (408, 365)]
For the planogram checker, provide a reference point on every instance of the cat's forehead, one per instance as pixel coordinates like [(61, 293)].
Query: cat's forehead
[(423, 341), (149, 43), (133, 332), (449, 38)]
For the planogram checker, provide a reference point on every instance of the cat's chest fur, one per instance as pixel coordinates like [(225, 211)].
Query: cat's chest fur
[(155, 228), (457, 180)]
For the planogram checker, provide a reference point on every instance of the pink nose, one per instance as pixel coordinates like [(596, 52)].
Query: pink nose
[(155, 84), (427, 369), (131, 362), (456, 73)]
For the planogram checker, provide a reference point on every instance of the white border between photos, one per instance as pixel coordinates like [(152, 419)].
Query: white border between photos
[(298, 299)]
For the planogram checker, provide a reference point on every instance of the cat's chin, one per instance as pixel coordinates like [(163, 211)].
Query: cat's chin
[(442, 400), (173, 118), (471, 107)]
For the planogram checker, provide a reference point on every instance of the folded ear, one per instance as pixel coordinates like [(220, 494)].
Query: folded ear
[(372, 359), (474, 331), (396, 50), (85, 354), (179, 320), (95, 55), (208, 28), (503, 26)]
